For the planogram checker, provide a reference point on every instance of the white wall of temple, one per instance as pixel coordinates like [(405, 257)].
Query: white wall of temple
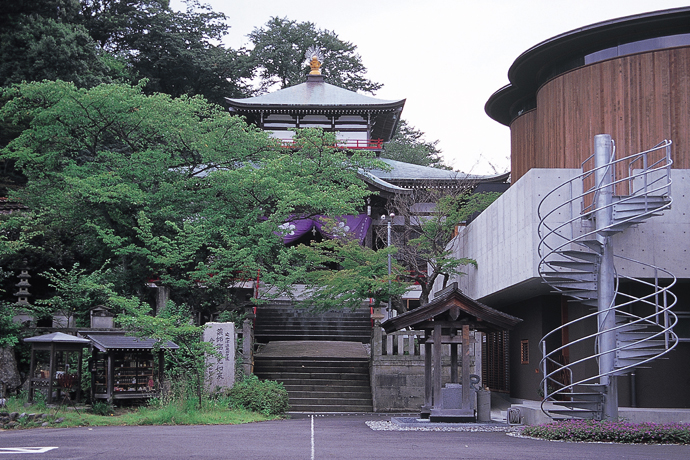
[(504, 240)]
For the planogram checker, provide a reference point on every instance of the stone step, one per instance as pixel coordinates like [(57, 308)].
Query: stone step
[(319, 384), (300, 388), (329, 396), (320, 329), (317, 401), (292, 311), (307, 366), (272, 337), (329, 408), (311, 375)]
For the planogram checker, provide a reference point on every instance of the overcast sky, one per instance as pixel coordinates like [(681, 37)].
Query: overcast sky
[(446, 57)]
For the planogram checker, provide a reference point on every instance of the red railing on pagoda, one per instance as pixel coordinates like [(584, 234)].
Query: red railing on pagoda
[(352, 144)]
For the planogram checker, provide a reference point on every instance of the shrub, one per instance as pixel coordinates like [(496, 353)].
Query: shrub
[(608, 431), (265, 396), (102, 408)]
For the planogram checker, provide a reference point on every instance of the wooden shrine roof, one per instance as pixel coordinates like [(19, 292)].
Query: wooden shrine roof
[(58, 338), (452, 305), (105, 341)]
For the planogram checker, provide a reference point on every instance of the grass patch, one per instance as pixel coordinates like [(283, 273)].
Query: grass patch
[(605, 431), (157, 413)]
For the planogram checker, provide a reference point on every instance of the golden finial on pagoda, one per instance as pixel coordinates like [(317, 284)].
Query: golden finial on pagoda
[(315, 58)]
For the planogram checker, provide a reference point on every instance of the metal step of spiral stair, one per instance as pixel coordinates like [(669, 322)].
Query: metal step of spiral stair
[(634, 210), (642, 205), (635, 345), (585, 403)]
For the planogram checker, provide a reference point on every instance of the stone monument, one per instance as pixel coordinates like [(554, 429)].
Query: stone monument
[(221, 370)]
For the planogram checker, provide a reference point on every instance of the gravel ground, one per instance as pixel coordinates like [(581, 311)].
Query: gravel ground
[(471, 427)]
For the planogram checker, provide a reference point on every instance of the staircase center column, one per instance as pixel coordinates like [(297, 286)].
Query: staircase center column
[(606, 283)]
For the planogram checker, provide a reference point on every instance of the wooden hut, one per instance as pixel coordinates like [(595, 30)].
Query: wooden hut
[(448, 319)]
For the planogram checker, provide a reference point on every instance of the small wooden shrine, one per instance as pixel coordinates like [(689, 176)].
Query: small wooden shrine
[(448, 319), (59, 371), (123, 367)]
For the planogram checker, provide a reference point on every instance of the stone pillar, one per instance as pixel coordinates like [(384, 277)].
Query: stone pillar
[(9, 373), (247, 347), (162, 298)]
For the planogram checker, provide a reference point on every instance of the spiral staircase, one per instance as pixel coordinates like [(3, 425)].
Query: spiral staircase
[(634, 327)]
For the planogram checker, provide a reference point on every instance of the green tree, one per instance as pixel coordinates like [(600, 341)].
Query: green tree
[(339, 273), (422, 241), (279, 55), (42, 43), (408, 145), (178, 52), (76, 292), (170, 188), (9, 330)]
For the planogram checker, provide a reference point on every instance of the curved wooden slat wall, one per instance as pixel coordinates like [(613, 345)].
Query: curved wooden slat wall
[(639, 99), (523, 142)]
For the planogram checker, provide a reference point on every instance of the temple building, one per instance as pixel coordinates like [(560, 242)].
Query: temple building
[(360, 123), (300, 348)]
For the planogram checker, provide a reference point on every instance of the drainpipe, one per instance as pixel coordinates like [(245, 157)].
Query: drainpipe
[(633, 390)]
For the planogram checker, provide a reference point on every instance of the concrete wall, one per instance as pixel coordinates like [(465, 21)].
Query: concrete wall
[(504, 240), (397, 385)]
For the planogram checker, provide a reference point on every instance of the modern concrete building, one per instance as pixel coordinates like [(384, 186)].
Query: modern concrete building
[(628, 78)]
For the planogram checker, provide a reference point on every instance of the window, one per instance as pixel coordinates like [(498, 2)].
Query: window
[(524, 351), (495, 365)]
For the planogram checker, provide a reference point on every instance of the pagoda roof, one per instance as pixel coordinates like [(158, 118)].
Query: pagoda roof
[(314, 94), (316, 97), (401, 171)]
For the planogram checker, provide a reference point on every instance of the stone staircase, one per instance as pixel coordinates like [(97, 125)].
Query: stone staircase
[(320, 384), (319, 357), (282, 321)]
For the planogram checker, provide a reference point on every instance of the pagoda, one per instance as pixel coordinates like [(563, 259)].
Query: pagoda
[(360, 122)]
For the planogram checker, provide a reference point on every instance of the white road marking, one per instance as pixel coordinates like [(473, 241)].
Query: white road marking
[(25, 450), (312, 437)]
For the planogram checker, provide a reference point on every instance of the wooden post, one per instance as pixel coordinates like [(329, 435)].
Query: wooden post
[(438, 374), (428, 385), (161, 369), (51, 377), (110, 382), (466, 367), (81, 357), (32, 371)]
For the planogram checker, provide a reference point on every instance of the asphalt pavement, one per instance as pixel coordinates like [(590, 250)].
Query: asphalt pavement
[(334, 437)]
